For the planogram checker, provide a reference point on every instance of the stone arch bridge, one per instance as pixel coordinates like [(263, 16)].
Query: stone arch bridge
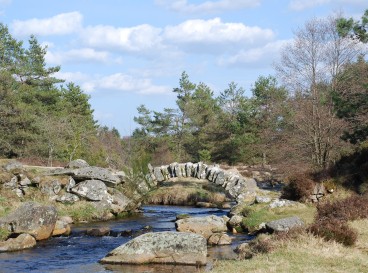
[(234, 184)]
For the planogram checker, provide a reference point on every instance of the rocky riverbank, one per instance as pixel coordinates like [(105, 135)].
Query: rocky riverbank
[(101, 195), (43, 202)]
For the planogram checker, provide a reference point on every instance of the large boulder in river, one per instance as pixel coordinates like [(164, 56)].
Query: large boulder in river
[(93, 190), (204, 226), (92, 173), (161, 247), (23, 241), (32, 218)]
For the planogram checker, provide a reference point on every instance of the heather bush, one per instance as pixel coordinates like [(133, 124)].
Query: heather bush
[(299, 187), (261, 245), (264, 245), (334, 229), (331, 220), (352, 208)]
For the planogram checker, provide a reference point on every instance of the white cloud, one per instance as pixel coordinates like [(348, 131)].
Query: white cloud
[(193, 35), (114, 82), (123, 82), (60, 24), (77, 56), (214, 31), (134, 39), (255, 56), (207, 6)]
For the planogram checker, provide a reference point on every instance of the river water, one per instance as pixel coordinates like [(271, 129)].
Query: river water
[(79, 253)]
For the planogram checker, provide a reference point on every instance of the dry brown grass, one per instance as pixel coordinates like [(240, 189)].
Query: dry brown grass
[(305, 253), (361, 226)]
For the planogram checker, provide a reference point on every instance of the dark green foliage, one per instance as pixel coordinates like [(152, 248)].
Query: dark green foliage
[(354, 29), (351, 100), (352, 171), (299, 187), (40, 119), (33, 70)]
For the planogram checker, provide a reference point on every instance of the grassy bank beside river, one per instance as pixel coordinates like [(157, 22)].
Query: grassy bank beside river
[(305, 252)]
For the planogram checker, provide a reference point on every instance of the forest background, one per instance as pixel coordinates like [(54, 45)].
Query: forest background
[(312, 112)]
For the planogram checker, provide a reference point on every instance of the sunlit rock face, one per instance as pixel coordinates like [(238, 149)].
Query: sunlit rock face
[(161, 247)]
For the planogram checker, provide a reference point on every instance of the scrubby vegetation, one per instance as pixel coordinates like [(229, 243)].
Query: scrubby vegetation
[(300, 252), (336, 230), (4, 234), (331, 222), (299, 187)]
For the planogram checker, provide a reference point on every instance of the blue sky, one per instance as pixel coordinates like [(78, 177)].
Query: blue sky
[(126, 53)]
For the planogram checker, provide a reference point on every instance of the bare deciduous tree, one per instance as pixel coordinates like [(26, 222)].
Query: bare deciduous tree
[(308, 67)]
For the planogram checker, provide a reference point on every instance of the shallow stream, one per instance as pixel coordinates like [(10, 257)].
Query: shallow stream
[(79, 253)]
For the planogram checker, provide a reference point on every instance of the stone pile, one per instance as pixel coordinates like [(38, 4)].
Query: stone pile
[(77, 181)]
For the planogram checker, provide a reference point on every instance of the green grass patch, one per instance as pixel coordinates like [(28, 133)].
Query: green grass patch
[(262, 213), (4, 234), (80, 212)]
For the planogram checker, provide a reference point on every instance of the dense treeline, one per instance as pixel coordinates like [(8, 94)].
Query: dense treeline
[(310, 113), (42, 118)]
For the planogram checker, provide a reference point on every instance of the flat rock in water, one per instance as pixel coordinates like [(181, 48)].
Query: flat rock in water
[(219, 239), (23, 241), (161, 247), (204, 226), (98, 232), (61, 228)]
